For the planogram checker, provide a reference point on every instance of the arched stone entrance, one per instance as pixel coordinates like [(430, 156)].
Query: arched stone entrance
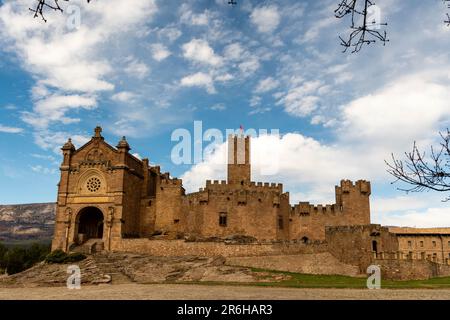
[(90, 224)]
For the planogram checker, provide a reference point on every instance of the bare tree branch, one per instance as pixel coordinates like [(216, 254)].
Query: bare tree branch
[(447, 22), (364, 33), (47, 4), (422, 173)]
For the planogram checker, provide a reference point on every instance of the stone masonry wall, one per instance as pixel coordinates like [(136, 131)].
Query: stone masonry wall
[(208, 249), (309, 263), (411, 269), (351, 208)]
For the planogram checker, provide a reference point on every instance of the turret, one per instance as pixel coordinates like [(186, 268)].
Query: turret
[(68, 149), (353, 199), (239, 159), (123, 145)]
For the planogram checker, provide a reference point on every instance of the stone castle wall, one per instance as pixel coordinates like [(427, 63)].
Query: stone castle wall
[(308, 263), (183, 248), (394, 269), (260, 211), (351, 208)]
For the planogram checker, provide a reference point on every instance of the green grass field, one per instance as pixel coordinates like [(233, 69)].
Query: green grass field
[(298, 280)]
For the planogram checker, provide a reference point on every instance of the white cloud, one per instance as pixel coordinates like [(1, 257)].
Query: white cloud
[(301, 100), (407, 109), (124, 96), (199, 79), (137, 69), (137, 155), (43, 170), (218, 107), (71, 66), (7, 129), (249, 66), (224, 77), (198, 50), (255, 101), (195, 19), (237, 56), (233, 51), (265, 18), (317, 27), (292, 158), (425, 218), (159, 52), (52, 108), (266, 85), (259, 110), (55, 140), (369, 129), (169, 33)]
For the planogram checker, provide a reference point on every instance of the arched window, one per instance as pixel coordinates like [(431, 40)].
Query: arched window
[(374, 246), (223, 219)]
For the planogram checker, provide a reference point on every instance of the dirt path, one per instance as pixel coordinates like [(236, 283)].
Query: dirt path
[(174, 291)]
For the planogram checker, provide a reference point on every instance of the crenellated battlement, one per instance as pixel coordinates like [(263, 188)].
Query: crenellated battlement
[(306, 209), (252, 186), (361, 186), (171, 182)]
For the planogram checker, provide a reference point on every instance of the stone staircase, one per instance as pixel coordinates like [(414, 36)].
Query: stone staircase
[(89, 247), (106, 265)]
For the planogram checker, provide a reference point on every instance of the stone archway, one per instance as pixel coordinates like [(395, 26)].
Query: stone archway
[(90, 222)]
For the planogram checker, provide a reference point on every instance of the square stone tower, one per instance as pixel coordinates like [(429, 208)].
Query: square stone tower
[(239, 159)]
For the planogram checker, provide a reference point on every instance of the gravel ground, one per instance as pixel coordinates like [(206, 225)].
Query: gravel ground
[(175, 291)]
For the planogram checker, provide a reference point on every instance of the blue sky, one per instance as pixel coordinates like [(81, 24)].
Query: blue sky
[(144, 68)]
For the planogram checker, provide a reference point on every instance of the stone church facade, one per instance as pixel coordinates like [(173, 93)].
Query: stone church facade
[(107, 193)]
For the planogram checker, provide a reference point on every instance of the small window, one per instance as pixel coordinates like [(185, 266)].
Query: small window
[(409, 244), (280, 222), (223, 219), (421, 244), (449, 243), (434, 243), (176, 221)]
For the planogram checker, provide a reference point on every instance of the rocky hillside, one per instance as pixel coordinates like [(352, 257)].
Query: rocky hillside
[(27, 221), (119, 268)]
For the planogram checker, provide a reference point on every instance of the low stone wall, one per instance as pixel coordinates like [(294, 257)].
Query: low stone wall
[(167, 248), (309, 263), (411, 269)]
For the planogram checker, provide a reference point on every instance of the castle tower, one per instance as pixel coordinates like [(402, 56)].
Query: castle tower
[(238, 159)]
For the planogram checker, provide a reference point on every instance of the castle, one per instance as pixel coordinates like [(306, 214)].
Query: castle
[(110, 198)]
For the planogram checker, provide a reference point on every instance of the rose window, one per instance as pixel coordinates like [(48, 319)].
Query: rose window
[(93, 184)]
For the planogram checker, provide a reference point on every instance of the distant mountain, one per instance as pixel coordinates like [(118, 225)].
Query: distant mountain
[(33, 221)]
